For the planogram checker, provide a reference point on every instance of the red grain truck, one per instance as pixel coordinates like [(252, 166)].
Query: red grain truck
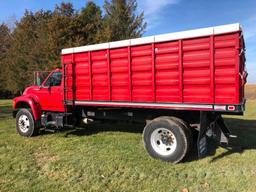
[(175, 83)]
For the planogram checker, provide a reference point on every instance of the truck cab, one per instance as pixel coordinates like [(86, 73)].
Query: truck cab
[(45, 96)]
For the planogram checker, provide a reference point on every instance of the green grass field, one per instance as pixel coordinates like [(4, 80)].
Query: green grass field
[(111, 158)]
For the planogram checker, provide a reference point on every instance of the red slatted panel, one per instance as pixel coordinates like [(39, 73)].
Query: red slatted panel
[(196, 71), (142, 73), (82, 77), (200, 70), (225, 68), (119, 74), (167, 72), (99, 75)]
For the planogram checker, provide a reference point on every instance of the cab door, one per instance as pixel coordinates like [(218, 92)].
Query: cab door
[(51, 98)]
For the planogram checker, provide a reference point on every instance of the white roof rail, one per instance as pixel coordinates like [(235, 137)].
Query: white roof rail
[(158, 38)]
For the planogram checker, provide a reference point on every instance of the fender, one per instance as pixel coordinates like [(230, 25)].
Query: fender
[(25, 101)]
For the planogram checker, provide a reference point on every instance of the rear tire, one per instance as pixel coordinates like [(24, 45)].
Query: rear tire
[(25, 124), (166, 139), (188, 130)]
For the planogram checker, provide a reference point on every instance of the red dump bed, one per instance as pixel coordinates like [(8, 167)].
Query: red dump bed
[(197, 69)]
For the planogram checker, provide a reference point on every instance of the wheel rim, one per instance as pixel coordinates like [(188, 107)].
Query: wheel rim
[(23, 123), (163, 141)]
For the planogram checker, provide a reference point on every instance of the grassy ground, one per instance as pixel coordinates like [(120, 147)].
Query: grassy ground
[(111, 158)]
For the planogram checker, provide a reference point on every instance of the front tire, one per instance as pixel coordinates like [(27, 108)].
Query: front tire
[(25, 124), (166, 139)]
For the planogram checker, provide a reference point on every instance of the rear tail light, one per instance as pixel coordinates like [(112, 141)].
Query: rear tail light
[(231, 108)]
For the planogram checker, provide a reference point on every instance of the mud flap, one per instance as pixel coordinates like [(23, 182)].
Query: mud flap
[(217, 128), (202, 137)]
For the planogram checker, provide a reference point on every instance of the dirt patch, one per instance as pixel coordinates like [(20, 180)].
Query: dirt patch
[(250, 91), (42, 159), (44, 162)]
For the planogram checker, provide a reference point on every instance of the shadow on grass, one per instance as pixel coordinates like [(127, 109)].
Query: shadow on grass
[(5, 112), (106, 127), (245, 130)]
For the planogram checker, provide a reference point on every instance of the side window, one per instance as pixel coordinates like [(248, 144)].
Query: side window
[(54, 79)]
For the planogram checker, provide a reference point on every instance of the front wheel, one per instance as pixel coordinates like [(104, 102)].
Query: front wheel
[(166, 139), (25, 124)]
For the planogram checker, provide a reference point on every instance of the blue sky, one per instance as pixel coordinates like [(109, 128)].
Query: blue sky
[(164, 16)]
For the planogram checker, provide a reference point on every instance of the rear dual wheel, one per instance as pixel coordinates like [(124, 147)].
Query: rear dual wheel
[(167, 138)]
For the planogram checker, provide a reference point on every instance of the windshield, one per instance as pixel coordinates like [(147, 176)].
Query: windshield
[(54, 79), (39, 77)]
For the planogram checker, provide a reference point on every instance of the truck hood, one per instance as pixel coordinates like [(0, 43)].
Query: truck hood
[(30, 90)]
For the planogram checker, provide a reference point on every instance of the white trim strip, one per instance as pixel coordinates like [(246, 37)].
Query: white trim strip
[(138, 104), (123, 43), (185, 34), (227, 28), (158, 38), (220, 107), (67, 51), (143, 40)]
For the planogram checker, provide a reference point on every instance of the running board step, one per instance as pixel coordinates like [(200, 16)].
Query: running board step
[(70, 126), (50, 130), (232, 136)]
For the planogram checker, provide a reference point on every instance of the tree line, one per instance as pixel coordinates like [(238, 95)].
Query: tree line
[(35, 42)]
